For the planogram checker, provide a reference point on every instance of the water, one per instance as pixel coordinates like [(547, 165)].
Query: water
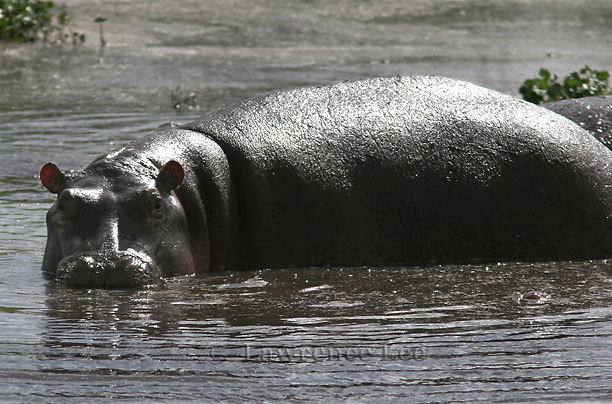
[(507, 332)]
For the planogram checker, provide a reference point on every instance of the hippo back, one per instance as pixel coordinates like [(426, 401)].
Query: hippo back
[(591, 113), (412, 169)]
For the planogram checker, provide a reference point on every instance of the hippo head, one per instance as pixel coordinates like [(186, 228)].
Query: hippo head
[(116, 230)]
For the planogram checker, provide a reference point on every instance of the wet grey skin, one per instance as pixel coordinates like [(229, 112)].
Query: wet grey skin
[(592, 113), (390, 171)]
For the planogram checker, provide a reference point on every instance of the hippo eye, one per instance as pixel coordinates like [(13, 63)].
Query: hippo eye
[(150, 200), (65, 202)]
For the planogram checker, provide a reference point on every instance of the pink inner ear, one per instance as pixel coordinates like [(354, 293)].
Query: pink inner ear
[(175, 172), (50, 176), (170, 176)]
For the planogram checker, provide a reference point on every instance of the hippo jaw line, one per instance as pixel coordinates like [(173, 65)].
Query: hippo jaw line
[(127, 268)]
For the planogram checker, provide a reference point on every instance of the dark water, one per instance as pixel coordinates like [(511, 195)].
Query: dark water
[(507, 332)]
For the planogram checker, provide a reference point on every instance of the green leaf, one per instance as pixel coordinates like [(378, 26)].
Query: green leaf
[(555, 91), (545, 74), (602, 76)]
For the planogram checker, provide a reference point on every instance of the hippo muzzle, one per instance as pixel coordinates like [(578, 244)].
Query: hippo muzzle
[(111, 269)]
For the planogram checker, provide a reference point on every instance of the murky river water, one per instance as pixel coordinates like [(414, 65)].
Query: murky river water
[(507, 332)]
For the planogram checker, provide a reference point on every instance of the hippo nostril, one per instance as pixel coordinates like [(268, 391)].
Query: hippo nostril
[(82, 263), (88, 264), (126, 262)]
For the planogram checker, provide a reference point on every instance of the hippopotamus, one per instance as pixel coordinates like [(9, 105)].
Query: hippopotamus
[(385, 171), (591, 113)]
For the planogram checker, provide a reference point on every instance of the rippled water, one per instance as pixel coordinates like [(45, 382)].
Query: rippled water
[(507, 332)]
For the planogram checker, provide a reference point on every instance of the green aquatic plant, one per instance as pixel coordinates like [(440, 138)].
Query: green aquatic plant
[(32, 20), (100, 21), (584, 83), (10, 310)]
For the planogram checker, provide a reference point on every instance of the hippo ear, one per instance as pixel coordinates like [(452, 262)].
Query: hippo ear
[(52, 178), (170, 176)]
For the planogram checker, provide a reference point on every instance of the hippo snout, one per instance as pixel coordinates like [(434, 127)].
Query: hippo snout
[(112, 269)]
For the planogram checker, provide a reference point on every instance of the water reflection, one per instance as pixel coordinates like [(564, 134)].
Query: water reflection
[(395, 327), (405, 300), (273, 297)]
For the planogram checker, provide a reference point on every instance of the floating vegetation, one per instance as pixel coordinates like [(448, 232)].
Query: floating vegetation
[(10, 310), (587, 82), (29, 20), (181, 100), (100, 21)]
